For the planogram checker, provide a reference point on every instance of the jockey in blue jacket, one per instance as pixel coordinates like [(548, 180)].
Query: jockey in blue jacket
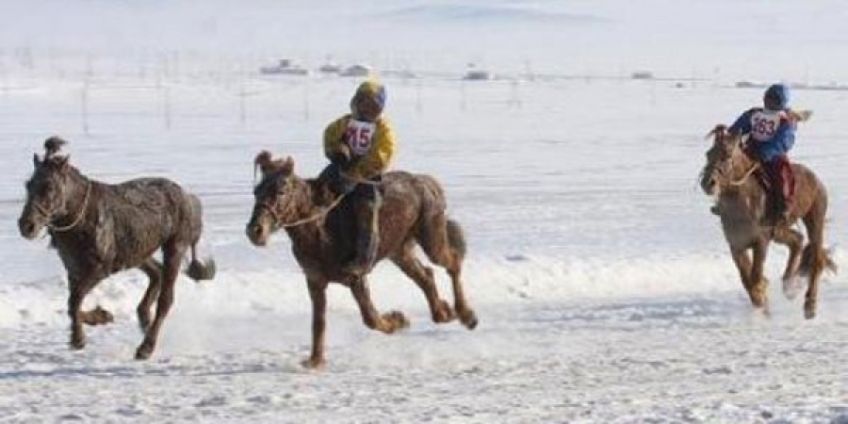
[(771, 131)]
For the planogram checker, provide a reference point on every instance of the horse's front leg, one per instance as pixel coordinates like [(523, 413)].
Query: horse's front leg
[(79, 287), (759, 283), (387, 323), (318, 295), (794, 240)]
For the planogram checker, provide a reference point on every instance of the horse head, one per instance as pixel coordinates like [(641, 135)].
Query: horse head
[(48, 190), (718, 171), (274, 201)]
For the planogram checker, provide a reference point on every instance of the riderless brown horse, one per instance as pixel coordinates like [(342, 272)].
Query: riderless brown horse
[(413, 213), (100, 229)]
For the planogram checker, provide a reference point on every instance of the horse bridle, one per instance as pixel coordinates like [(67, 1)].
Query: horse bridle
[(80, 214), (278, 221), (272, 210), (729, 180)]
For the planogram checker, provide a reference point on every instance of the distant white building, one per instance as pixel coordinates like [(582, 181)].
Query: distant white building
[(284, 67), (356, 71), (642, 75), (330, 68), (478, 75), (474, 74)]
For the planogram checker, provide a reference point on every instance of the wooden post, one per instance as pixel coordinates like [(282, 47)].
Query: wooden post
[(84, 106), (166, 106)]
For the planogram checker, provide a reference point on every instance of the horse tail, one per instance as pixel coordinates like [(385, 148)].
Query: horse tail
[(820, 261), (198, 270), (828, 262), (456, 238)]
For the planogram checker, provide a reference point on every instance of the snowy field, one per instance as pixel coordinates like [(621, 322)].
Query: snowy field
[(603, 285)]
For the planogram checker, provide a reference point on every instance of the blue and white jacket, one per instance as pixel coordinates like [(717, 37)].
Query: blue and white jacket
[(772, 132)]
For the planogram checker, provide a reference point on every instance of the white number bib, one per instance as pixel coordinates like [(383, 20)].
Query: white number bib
[(358, 136), (764, 124)]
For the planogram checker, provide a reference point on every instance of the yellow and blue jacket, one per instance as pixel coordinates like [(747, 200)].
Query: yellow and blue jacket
[(371, 154)]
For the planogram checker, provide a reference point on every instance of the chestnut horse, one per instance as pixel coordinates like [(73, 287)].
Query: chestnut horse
[(731, 176), (100, 229), (413, 213)]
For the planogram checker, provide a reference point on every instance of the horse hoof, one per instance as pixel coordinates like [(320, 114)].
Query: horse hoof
[(101, 316), (313, 363), (397, 320), (809, 313), (77, 343), (144, 351), (443, 313), (468, 319), (792, 286)]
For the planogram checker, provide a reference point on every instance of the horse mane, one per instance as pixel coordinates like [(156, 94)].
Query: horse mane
[(52, 146)]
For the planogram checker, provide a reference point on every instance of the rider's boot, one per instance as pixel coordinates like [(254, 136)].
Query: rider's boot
[(367, 237)]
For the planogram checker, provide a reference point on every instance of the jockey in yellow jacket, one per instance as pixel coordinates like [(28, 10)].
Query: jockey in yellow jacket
[(360, 146)]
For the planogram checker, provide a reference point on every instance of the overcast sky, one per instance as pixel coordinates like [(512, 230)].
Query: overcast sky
[(792, 37)]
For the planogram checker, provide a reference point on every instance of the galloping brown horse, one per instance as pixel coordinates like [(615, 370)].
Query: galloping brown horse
[(731, 176), (100, 229), (413, 213)]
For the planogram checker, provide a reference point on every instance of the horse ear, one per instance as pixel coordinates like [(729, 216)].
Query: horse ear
[(719, 130), (263, 161), (36, 162), (288, 166)]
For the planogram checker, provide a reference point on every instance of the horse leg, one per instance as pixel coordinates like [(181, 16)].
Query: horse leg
[(387, 323), (153, 269), (817, 257), (96, 316), (173, 254), (423, 276), (438, 246), (794, 240), (759, 283), (79, 287), (318, 295), (743, 264)]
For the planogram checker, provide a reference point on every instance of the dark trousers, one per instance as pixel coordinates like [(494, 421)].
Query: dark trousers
[(781, 179), (366, 200), (332, 175), (778, 177)]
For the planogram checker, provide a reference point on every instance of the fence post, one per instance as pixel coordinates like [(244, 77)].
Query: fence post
[(84, 106), (166, 106), (242, 106)]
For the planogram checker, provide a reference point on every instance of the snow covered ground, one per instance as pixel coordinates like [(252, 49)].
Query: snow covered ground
[(602, 282)]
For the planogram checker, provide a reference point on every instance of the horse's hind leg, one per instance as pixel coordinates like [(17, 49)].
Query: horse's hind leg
[(153, 269), (423, 276), (815, 258), (794, 240), (173, 254), (444, 250), (387, 323)]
